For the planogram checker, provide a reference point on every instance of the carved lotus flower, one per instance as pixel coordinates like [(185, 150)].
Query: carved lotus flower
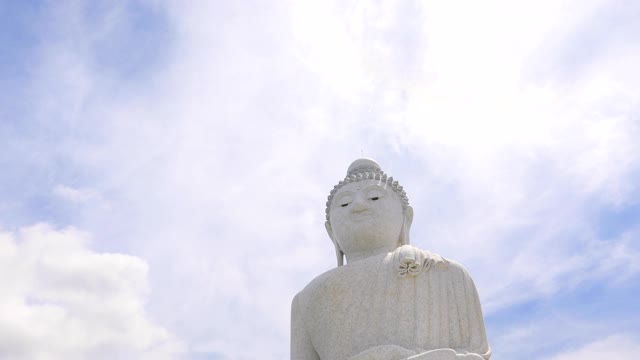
[(409, 267), (411, 261)]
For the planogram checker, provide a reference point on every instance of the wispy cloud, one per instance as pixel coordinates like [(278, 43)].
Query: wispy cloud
[(215, 131), (76, 195), (619, 346)]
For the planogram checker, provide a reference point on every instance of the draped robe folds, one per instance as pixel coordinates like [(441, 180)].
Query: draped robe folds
[(375, 302)]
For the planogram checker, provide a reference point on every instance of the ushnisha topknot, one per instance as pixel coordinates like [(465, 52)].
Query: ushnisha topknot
[(367, 169)]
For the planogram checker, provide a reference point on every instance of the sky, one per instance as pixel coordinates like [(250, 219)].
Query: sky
[(164, 166)]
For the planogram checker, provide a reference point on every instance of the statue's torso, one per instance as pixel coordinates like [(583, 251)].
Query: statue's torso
[(365, 304)]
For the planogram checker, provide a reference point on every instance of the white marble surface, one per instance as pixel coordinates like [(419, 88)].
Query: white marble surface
[(391, 300)]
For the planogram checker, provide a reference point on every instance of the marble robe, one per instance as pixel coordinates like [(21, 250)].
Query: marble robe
[(432, 304)]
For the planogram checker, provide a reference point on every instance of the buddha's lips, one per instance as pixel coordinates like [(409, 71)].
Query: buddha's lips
[(361, 215)]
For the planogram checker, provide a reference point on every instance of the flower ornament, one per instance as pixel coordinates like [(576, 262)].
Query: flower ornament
[(411, 261), (409, 267)]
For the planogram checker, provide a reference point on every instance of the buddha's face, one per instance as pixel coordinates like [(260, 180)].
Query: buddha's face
[(366, 215)]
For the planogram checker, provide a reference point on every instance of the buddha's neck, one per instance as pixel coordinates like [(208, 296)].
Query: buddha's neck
[(357, 256)]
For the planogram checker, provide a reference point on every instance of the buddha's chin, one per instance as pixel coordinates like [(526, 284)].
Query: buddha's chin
[(369, 239)]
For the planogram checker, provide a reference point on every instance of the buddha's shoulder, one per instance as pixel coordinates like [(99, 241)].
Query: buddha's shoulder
[(339, 277), (316, 287), (429, 262), (447, 264), (400, 262)]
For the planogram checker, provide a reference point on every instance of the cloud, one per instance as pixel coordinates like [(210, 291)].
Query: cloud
[(76, 195), (62, 300), (617, 346), (216, 148), (516, 166)]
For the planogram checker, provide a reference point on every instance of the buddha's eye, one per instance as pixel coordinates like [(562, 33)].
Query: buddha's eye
[(375, 198), (344, 205)]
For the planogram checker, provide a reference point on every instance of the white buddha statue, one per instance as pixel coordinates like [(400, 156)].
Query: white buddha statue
[(391, 301)]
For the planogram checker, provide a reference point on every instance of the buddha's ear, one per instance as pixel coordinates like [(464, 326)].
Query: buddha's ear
[(339, 253), (408, 216), (406, 226)]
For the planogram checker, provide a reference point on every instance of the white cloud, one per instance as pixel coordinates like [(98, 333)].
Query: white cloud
[(76, 195), (519, 163), (61, 300), (221, 164), (618, 346), (547, 265)]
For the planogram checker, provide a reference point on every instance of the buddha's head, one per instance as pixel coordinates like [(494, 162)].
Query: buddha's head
[(367, 213)]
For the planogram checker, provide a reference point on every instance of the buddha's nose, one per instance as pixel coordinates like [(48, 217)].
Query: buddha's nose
[(359, 206)]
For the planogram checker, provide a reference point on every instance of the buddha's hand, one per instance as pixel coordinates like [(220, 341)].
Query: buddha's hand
[(444, 354), (384, 352)]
